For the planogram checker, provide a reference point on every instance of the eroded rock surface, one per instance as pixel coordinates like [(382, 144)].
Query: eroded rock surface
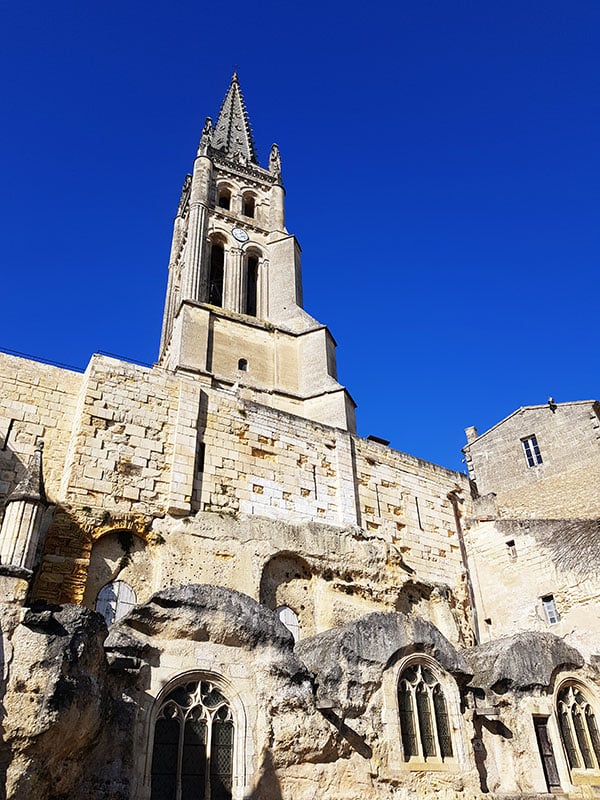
[(349, 662), (208, 613), (60, 716), (521, 661)]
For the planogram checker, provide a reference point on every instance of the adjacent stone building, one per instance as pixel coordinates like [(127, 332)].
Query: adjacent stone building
[(534, 547), (211, 587)]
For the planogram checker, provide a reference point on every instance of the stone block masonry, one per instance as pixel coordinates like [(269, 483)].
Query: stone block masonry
[(125, 441), (37, 401)]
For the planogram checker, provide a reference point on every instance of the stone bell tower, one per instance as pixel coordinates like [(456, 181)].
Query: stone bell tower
[(233, 312)]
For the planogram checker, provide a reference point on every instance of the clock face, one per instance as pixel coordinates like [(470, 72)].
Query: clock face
[(240, 234)]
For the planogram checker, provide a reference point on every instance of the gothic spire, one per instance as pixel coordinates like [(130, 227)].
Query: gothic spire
[(232, 134)]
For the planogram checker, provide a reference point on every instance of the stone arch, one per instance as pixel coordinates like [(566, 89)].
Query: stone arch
[(288, 580), (118, 554), (67, 550), (249, 203), (233, 698), (225, 191), (251, 281)]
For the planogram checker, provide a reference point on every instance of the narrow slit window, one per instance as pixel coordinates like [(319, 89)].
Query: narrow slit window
[(532, 451), (550, 609), (217, 265), (200, 454), (251, 286), (512, 549), (249, 206), (243, 365)]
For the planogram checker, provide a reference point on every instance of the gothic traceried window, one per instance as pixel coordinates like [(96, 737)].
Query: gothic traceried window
[(578, 729), (424, 722), (192, 757), (115, 600)]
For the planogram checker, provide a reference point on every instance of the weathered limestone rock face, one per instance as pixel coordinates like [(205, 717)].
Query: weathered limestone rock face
[(209, 629), (60, 717), (349, 661), (209, 613), (520, 662)]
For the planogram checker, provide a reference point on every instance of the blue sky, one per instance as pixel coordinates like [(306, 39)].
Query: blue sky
[(442, 167)]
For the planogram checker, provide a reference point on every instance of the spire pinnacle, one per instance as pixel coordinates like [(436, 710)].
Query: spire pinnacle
[(232, 134)]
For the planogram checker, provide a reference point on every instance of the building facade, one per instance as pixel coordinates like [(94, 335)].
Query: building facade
[(212, 587)]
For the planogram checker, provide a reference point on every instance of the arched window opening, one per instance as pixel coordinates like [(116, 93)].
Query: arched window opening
[(192, 758), (249, 205), (290, 620), (224, 199), (578, 729), (251, 285), (423, 713), (115, 600), (243, 365), (215, 285)]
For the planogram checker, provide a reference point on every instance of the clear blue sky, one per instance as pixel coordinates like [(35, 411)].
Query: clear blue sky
[(442, 167)]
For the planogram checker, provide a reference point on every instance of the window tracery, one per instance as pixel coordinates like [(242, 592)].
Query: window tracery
[(192, 757), (423, 712), (578, 729)]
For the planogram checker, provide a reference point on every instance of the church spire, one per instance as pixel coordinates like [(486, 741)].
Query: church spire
[(232, 134)]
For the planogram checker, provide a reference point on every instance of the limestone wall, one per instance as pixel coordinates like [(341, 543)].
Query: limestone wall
[(318, 719), (131, 445), (564, 484), (121, 448), (37, 401), (515, 563)]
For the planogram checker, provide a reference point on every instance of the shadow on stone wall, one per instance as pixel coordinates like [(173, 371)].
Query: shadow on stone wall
[(63, 569), (12, 470), (268, 786)]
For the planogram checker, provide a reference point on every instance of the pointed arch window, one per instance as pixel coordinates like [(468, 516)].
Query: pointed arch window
[(423, 712), (192, 757), (115, 600), (578, 729), (252, 285), (217, 267)]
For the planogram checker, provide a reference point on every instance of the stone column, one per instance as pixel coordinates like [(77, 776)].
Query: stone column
[(196, 268), (232, 288), (277, 220), (23, 516)]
